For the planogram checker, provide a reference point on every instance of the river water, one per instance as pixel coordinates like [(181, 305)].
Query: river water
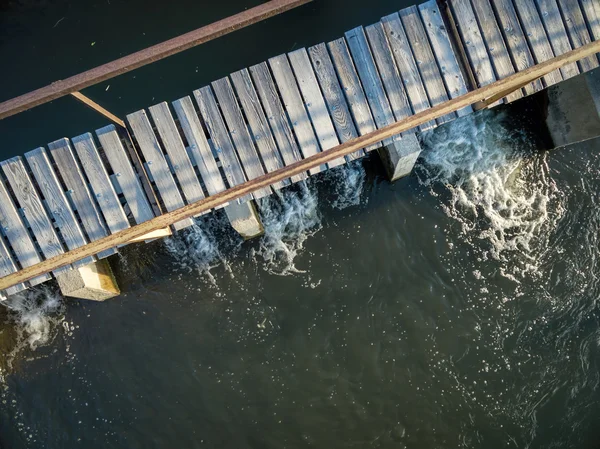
[(453, 308)]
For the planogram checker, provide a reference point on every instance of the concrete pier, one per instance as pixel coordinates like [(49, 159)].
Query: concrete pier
[(574, 109), (244, 219), (399, 158), (95, 282)]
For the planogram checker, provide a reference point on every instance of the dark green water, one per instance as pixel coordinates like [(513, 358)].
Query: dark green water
[(454, 308)]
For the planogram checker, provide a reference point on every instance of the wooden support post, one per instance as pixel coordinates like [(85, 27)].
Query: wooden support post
[(348, 147)]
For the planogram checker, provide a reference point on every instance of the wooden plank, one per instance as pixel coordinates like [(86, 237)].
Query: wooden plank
[(100, 183), (157, 164), (334, 96), (370, 80), (314, 101), (591, 12), (428, 68), (344, 149), (238, 131), (577, 30), (56, 200), (220, 137), (32, 207), (443, 51), (18, 237), (390, 77), (515, 40), (126, 177), (557, 33), (536, 37), (277, 117), (353, 91), (259, 126), (292, 100), (78, 192), (198, 144), (180, 161), (407, 65), (8, 266)]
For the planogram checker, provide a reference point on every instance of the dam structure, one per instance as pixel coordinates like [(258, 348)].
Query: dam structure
[(61, 197)]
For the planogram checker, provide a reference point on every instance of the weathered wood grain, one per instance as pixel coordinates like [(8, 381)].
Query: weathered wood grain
[(577, 30), (259, 126), (334, 96), (277, 117), (591, 12), (157, 164), (535, 34), (180, 161), (56, 200), (8, 266), (353, 91), (238, 131), (443, 51), (314, 101), (292, 100), (77, 190), (126, 177), (17, 235), (557, 33), (31, 204)]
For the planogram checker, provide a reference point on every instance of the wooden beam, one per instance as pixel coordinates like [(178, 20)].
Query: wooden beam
[(164, 232), (214, 201), (151, 54), (96, 107)]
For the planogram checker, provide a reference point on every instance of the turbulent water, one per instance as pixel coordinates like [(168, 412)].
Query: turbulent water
[(454, 308)]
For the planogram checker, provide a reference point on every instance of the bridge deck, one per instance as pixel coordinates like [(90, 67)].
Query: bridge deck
[(275, 113)]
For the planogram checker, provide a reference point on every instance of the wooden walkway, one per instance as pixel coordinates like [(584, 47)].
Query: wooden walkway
[(275, 113)]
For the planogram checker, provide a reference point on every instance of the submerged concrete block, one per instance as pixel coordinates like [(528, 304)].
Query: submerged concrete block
[(95, 282), (399, 157), (574, 109), (244, 219)]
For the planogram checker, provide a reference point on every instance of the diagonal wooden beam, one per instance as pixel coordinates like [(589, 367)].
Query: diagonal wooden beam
[(151, 54), (214, 201)]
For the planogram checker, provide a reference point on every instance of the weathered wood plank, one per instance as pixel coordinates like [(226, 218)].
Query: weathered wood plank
[(314, 101), (407, 65), (56, 200), (259, 126), (577, 30), (199, 147), (515, 40), (126, 177), (334, 96), (536, 37), (157, 164), (591, 11), (78, 192), (557, 33), (238, 131), (31, 204), (277, 116), (443, 52), (426, 62), (16, 233), (353, 91), (220, 137), (102, 187), (180, 161), (496, 45), (370, 80), (292, 100), (382, 54), (8, 266)]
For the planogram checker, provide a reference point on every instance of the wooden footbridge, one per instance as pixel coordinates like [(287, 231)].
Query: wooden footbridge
[(265, 127)]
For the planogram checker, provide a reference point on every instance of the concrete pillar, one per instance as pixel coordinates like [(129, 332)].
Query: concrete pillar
[(244, 219), (95, 282), (399, 157), (574, 109)]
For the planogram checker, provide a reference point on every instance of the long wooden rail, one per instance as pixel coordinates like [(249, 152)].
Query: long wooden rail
[(491, 91), (146, 56)]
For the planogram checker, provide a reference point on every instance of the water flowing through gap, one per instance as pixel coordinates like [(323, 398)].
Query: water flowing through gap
[(454, 308)]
